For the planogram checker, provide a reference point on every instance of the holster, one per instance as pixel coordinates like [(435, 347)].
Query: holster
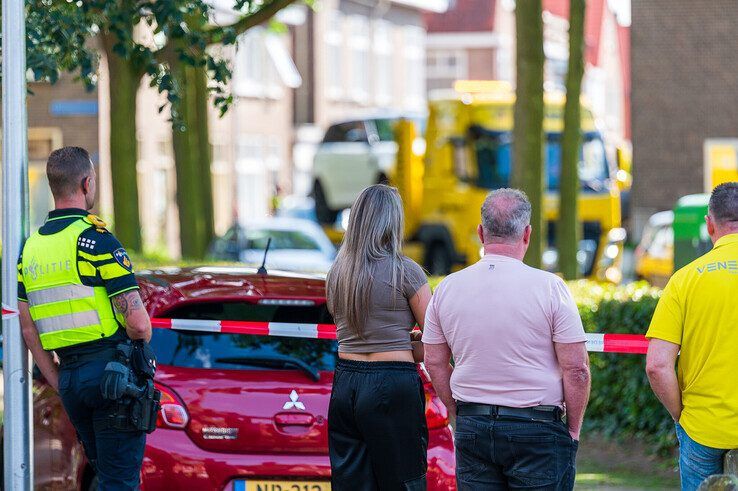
[(138, 406)]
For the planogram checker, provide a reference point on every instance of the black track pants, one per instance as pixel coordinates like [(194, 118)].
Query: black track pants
[(377, 434)]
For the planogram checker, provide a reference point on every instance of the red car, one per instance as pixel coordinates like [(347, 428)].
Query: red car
[(239, 412), (249, 412)]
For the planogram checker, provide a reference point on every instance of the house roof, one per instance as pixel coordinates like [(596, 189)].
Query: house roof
[(464, 16)]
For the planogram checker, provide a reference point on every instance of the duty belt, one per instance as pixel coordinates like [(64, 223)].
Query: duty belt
[(104, 354), (535, 413)]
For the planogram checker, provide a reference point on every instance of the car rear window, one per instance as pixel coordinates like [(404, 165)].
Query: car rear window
[(281, 239), (198, 349)]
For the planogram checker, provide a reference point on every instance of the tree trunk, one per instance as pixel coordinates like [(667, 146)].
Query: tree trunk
[(202, 127), (568, 230), (528, 132), (194, 188), (125, 79)]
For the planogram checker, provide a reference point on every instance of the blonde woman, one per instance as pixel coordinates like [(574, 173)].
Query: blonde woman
[(377, 432)]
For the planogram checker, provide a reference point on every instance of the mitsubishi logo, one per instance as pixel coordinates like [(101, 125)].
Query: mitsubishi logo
[(293, 403)]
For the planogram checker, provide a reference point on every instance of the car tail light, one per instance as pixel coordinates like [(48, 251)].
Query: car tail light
[(436, 414), (172, 414)]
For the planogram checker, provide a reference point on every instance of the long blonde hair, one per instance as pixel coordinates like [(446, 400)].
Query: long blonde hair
[(374, 232)]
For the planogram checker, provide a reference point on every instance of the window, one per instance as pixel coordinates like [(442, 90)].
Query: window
[(254, 73), (386, 128), (663, 243), (493, 152), (193, 349), (334, 55), (447, 64), (281, 240), (382, 62), (354, 131), (41, 141), (252, 186), (273, 154), (359, 46), (414, 76), (493, 155), (222, 183), (593, 169)]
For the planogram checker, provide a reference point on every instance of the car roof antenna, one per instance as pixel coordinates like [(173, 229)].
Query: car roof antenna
[(262, 269)]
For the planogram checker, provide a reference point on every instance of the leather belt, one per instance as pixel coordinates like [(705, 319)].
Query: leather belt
[(535, 413)]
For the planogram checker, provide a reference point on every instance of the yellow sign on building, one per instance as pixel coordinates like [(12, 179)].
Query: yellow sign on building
[(721, 161)]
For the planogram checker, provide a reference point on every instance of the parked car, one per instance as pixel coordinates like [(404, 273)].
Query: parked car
[(59, 459), (297, 245), (297, 207), (244, 412), (239, 412), (654, 255), (354, 154)]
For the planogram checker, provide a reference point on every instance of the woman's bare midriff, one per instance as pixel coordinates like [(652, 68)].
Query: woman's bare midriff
[(404, 355)]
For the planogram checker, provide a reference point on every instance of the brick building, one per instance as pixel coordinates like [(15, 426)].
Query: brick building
[(58, 115), (685, 91)]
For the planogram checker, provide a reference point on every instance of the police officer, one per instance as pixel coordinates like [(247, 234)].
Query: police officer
[(79, 298)]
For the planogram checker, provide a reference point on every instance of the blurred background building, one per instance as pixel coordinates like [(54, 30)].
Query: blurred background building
[(343, 59), (685, 93), (60, 114), (475, 39)]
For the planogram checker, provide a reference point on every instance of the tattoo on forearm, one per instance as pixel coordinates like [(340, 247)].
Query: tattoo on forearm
[(126, 303)]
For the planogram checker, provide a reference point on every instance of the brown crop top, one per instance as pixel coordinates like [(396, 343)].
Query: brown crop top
[(390, 319)]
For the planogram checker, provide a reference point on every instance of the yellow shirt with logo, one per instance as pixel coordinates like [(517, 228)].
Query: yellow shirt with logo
[(699, 311)]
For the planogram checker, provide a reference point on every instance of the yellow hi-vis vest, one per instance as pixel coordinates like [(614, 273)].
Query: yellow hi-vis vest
[(65, 311)]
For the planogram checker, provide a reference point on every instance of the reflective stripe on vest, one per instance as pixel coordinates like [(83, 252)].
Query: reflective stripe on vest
[(66, 312), (63, 322), (60, 293)]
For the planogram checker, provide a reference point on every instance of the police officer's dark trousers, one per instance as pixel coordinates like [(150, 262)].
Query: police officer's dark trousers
[(116, 455)]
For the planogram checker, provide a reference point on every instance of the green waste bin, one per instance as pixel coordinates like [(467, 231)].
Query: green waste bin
[(690, 230)]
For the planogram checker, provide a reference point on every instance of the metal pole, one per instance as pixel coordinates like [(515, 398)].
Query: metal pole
[(16, 368)]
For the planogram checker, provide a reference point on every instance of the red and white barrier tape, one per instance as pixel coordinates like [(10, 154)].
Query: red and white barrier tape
[(601, 343), (8, 312)]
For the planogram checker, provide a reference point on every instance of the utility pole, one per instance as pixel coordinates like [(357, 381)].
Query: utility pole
[(16, 368)]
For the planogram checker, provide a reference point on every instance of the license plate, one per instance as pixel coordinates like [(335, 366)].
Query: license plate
[(259, 485)]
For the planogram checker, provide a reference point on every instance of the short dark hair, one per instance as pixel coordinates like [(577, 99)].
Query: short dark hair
[(724, 203), (66, 168)]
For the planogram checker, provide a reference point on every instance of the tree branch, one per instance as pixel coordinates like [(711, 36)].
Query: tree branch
[(251, 20)]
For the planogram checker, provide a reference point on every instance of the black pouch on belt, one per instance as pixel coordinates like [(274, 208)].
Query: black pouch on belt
[(143, 359)]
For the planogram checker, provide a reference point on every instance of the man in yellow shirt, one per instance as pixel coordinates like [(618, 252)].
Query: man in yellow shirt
[(698, 314)]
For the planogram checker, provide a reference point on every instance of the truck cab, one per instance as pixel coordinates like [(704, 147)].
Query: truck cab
[(469, 153)]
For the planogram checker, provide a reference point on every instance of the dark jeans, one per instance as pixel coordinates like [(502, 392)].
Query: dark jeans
[(513, 454), (377, 434), (116, 455)]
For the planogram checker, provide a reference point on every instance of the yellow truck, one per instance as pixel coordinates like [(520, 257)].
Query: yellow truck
[(468, 153)]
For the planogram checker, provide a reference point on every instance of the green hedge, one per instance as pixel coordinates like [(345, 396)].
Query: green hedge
[(622, 404)]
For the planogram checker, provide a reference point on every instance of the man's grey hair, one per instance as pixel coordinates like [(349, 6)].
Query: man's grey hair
[(724, 203), (505, 214)]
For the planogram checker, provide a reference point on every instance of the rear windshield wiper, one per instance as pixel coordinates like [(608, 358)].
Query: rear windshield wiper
[(272, 360)]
